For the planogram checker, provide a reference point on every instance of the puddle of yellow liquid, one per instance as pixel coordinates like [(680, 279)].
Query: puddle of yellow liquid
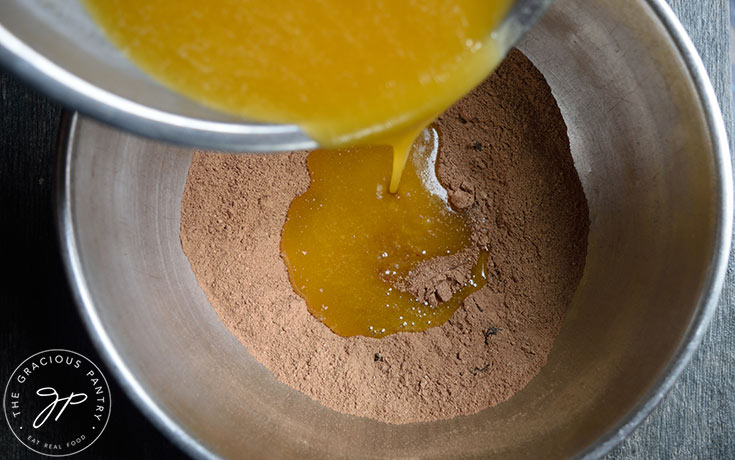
[(347, 72), (355, 72), (347, 240)]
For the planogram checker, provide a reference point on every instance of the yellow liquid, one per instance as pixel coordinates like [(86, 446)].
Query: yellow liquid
[(347, 240), (347, 72), (361, 72)]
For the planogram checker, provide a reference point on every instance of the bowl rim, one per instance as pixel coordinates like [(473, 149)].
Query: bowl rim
[(705, 308), (237, 135), (710, 293), (71, 90)]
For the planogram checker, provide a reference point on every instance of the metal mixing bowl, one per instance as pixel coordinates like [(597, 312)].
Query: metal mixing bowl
[(56, 46), (650, 146)]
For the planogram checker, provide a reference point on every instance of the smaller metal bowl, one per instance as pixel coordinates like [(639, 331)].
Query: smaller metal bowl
[(651, 150), (56, 46)]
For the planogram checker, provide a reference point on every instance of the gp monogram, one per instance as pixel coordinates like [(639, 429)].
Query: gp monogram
[(57, 402)]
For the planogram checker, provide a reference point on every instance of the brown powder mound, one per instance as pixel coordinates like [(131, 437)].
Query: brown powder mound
[(505, 159), (436, 280)]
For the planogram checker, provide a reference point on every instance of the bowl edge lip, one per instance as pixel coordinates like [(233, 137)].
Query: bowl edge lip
[(706, 304), (719, 257), (86, 306), (74, 91)]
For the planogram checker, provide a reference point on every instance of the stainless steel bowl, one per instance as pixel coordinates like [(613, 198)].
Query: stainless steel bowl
[(650, 146), (57, 47)]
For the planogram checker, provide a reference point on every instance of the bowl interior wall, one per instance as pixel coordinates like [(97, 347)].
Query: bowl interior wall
[(646, 162)]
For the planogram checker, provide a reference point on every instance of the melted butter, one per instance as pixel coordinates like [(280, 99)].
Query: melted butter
[(347, 72), (363, 72), (347, 240)]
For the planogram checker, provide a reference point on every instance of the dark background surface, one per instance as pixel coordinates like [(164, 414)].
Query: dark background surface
[(38, 311), (696, 420)]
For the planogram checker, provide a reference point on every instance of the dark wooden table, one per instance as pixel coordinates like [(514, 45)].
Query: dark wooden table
[(696, 420)]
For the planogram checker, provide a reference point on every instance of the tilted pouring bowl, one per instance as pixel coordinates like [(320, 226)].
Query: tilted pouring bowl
[(56, 46)]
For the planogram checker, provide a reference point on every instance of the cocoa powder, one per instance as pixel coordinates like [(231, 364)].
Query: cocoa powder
[(504, 158)]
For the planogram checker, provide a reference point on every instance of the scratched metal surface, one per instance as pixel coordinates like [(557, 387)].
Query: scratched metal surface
[(696, 419)]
